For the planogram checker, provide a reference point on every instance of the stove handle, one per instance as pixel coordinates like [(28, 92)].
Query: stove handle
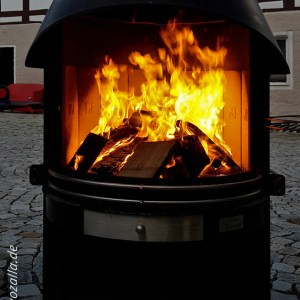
[(276, 184), (37, 174)]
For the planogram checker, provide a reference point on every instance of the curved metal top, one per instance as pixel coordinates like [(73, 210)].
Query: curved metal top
[(246, 13), (154, 193), (155, 187)]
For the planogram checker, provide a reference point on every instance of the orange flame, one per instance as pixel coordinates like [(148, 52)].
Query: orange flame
[(78, 160), (183, 84)]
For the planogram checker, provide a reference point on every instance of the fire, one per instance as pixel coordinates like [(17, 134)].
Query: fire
[(184, 84), (78, 160), (114, 104)]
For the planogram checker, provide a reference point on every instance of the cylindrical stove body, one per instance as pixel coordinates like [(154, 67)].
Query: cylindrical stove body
[(109, 237)]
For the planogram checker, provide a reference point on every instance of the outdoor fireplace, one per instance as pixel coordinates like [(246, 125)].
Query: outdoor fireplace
[(156, 173)]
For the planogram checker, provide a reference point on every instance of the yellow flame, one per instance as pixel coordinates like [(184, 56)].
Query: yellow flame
[(184, 83), (114, 103), (171, 164), (78, 160)]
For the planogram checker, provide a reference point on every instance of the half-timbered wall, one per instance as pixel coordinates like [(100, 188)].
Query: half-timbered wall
[(23, 11), (19, 23)]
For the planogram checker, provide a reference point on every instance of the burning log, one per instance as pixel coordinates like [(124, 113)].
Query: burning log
[(194, 156), (149, 159), (177, 171), (135, 120), (109, 165), (122, 132), (87, 152), (189, 161), (128, 129), (222, 155), (112, 160)]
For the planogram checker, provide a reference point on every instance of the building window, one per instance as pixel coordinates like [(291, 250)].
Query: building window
[(285, 43), (7, 65)]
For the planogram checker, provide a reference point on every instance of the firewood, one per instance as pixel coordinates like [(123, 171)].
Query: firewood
[(110, 164), (211, 171), (88, 152), (149, 159), (178, 171), (135, 120), (222, 154), (122, 132), (194, 157)]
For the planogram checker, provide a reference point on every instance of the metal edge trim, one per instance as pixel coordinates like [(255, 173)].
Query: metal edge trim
[(153, 202), (154, 187)]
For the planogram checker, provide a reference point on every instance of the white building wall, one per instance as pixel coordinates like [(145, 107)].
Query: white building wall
[(271, 4), (11, 5), (286, 101), (39, 4), (10, 19), (21, 36)]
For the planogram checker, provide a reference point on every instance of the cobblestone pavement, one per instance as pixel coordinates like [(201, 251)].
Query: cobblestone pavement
[(21, 205), (21, 210), (285, 218)]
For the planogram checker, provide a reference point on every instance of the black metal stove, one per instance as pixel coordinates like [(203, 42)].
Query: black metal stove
[(114, 237)]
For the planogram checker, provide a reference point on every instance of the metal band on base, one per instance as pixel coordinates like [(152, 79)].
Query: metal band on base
[(143, 228)]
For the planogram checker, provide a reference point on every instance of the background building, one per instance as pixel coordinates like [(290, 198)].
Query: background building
[(283, 17), (19, 23), (21, 19)]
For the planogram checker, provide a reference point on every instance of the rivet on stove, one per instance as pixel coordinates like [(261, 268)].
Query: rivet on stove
[(140, 229)]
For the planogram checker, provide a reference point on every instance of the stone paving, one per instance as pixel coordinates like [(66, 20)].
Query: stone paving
[(21, 210), (285, 218), (21, 205)]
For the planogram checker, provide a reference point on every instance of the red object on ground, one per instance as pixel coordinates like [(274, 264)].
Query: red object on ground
[(2, 93), (26, 92)]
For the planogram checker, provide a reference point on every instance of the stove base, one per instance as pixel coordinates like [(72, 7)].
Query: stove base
[(235, 265)]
